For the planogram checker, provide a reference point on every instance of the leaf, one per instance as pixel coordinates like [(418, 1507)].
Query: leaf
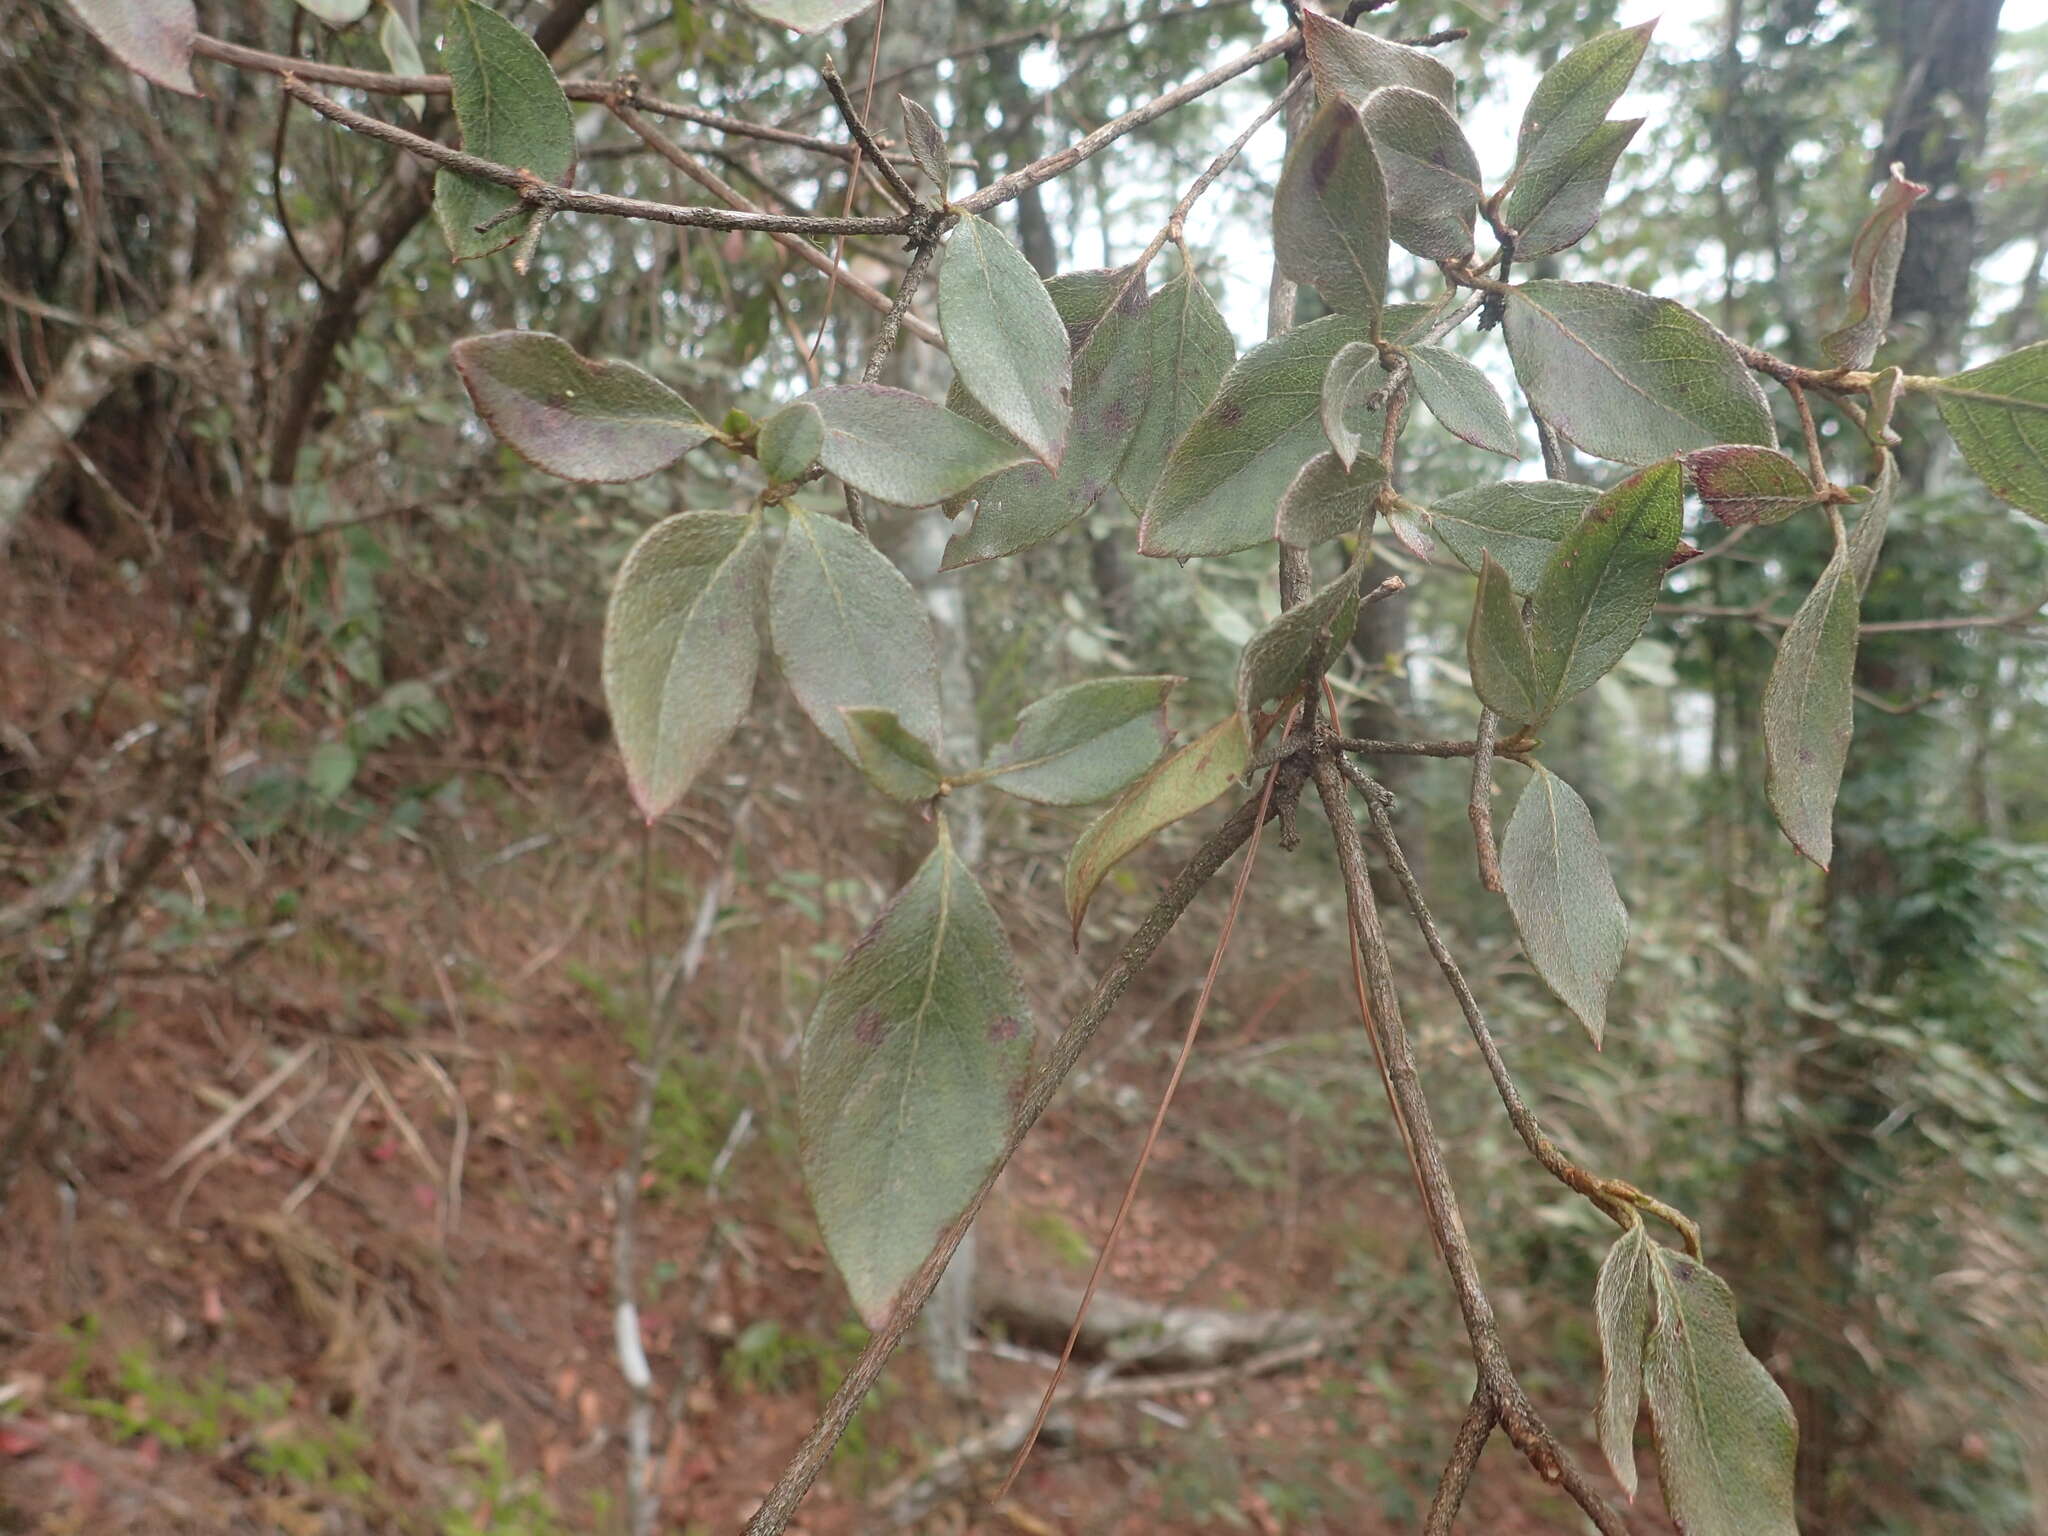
[(681, 648), (1176, 786), (895, 762), (1350, 65), (402, 52), (1570, 102), (790, 440), (1431, 173), (1191, 350), (1998, 415), (1225, 476), (1866, 540), (1354, 376), (1460, 397), (1873, 271), (1554, 208), (1567, 912), (1307, 637), (1740, 484), (1597, 592), (337, 13), (850, 631), (1629, 377), (1029, 504), (1810, 709), (927, 143), (909, 1067), (1330, 213), (1084, 741), (582, 420), (1726, 1438), (1327, 501), (808, 15), (1007, 341), (901, 448), (1497, 648), (1521, 521), (151, 37), (330, 770), (1621, 1311), (512, 111)]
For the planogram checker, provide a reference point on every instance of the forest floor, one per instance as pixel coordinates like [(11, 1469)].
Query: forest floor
[(331, 1246)]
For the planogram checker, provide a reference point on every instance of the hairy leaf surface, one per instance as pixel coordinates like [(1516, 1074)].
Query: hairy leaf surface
[(808, 15), (893, 760), (1191, 351), (1741, 484), (1873, 273), (1621, 1311), (151, 37), (927, 143), (1567, 912), (1328, 501), (1349, 65), (1497, 648), (1330, 214), (1085, 741), (900, 447), (1810, 709), (1570, 102), (1463, 400), (790, 441), (1354, 376), (1006, 339), (1521, 521), (1306, 637), (1555, 207), (909, 1067), (1998, 415), (1431, 173), (512, 111)]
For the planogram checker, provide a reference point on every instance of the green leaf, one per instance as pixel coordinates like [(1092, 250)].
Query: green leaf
[(1866, 540), (330, 770), (850, 631), (901, 448), (681, 647), (808, 15), (1353, 377), (337, 13), (1567, 912), (919, 1045), (1810, 709), (1629, 377), (1497, 648), (1459, 396), (1998, 415), (1227, 473), (1176, 786), (1084, 741), (895, 762), (1029, 504), (1597, 592), (1740, 484), (1006, 340), (927, 143), (151, 37), (1554, 208), (1330, 213), (1621, 1310), (512, 111), (1570, 102), (1328, 501), (1350, 65), (1191, 350), (1521, 521), (790, 441), (402, 52), (572, 417), (1873, 272), (1304, 639), (1726, 1438), (1432, 175)]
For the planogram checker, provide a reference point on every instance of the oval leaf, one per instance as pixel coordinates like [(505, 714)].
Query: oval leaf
[(1497, 648), (1810, 709), (680, 648), (895, 762), (1006, 339), (1873, 272), (1567, 912), (1522, 522), (1998, 415), (1354, 376), (1621, 1311), (1570, 102), (1328, 501), (901, 448), (1459, 396), (808, 15), (790, 440), (570, 416), (1432, 175), (927, 143), (1554, 208), (1740, 484), (909, 1066), (151, 37), (1349, 65), (849, 631), (1629, 377), (1304, 639), (1726, 1438), (1330, 213), (1182, 783), (1084, 741), (1191, 351), (512, 111)]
